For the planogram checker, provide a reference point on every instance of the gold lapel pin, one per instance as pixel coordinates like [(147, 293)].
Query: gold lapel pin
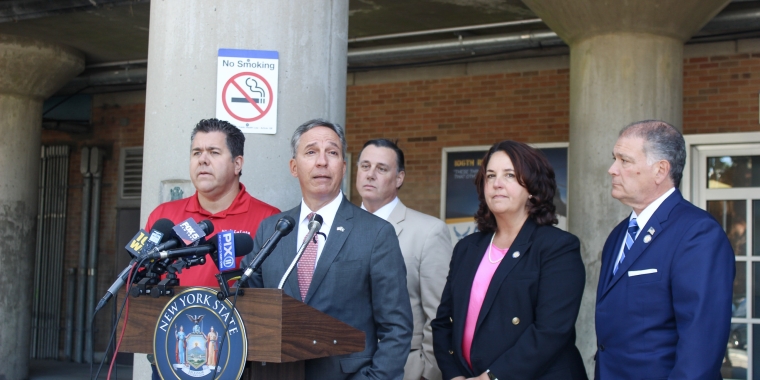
[(647, 239)]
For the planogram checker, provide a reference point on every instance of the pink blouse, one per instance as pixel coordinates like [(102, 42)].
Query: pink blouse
[(478, 294)]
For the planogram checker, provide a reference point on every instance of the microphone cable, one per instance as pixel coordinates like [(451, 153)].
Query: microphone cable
[(226, 328), (124, 326), (130, 280)]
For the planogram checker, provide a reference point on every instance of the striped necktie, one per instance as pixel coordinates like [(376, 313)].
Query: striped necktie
[(630, 237)]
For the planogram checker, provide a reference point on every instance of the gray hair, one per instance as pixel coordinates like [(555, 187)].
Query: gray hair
[(662, 141), (311, 124)]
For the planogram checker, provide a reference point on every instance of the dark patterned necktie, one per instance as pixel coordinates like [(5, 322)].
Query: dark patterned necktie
[(306, 264)]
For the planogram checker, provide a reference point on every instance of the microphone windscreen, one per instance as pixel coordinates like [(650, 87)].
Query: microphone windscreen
[(285, 224), (243, 244), (207, 226), (164, 226)]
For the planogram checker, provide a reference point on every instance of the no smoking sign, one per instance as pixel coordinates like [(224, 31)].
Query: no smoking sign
[(247, 89)]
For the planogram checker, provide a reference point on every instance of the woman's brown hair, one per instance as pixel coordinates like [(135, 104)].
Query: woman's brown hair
[(533, 172)]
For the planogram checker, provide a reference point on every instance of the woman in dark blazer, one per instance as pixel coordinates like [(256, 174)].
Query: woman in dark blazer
[(514, 288)]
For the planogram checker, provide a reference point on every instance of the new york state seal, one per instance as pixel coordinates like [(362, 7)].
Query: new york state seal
[(188, 337)]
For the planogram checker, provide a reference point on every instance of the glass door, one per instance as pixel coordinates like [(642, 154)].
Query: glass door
[(728, 186)]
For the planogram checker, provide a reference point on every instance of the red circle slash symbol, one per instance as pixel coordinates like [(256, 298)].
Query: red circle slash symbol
[(247, 98)]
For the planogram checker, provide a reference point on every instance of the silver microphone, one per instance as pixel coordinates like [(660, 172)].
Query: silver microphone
[(314, 225)]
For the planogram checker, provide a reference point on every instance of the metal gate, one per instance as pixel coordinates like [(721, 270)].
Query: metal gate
[(48, 272)]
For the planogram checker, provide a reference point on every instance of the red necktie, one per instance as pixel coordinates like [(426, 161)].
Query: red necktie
[(306, 264)]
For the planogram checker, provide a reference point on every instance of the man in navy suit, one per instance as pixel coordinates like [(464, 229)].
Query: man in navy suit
[(663, 305)]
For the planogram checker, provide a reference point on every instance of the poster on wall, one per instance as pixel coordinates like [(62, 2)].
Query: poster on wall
[(459, 198)]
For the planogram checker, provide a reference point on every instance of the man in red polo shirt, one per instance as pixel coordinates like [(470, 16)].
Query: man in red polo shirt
[(216, 162)]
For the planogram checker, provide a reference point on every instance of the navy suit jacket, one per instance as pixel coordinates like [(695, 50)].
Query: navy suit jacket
[(360, 279), (672, 323), (526, 326)]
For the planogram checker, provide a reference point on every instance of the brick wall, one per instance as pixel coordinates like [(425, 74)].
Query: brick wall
[(114, 127), (720, 94), (428, 115)]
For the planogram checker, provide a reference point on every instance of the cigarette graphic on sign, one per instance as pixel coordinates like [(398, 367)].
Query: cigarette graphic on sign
[(258, 92), (254, 90)]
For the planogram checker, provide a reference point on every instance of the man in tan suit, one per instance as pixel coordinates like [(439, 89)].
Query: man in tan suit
[(425, 243)]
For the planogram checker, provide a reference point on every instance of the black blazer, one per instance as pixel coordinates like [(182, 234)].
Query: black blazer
[(526, 327)]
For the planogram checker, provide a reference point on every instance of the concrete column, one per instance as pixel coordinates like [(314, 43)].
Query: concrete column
[(31, 71), (626, 64), (311, 37)]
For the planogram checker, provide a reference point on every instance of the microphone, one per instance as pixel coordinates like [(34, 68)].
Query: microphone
[(163, 228), (314, 225), (241, 239), (230, 246), (282, 228), (160, 233), (186, 233), (144, 241)]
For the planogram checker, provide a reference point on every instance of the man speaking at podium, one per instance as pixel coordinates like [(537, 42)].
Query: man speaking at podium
[(356, 272), (216, 161)]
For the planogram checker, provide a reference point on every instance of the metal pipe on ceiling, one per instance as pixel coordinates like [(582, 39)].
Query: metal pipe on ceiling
[(471, 45), (746, 19), (446, 30), (26, 10), (117, 64), (734, 20), (135, 76)]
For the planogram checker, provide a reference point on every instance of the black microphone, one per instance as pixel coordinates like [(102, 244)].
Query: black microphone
[(173, 240), (164, 226), (282, 228), (242, 242), (314, 225)]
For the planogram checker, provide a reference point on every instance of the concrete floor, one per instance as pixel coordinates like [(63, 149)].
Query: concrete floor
[(55, 370)]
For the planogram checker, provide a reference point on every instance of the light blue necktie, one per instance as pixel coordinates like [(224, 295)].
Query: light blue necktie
[(630, 237)]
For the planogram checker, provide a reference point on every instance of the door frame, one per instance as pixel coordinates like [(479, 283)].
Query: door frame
[(693, 141)]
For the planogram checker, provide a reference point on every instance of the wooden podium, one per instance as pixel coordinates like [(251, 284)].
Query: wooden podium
[(282, 332)]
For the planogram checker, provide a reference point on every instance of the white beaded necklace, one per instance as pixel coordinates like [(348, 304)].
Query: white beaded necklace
[(489, 251)]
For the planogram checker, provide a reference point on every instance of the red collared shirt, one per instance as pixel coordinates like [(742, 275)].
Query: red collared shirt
[(243, 216)]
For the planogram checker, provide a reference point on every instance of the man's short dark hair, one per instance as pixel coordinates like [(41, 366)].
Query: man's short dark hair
[(235, 138), (385, 143)]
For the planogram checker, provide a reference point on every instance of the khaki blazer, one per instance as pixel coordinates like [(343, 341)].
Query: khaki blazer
[(426, 245)]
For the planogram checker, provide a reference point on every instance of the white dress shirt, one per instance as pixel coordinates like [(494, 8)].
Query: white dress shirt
[(641, 220), (328, 216), (385, 211)]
